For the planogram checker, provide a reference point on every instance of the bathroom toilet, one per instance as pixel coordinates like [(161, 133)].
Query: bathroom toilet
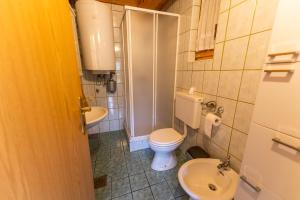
[(164, 141)]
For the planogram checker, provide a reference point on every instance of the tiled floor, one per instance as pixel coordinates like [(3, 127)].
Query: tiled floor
[(130, 176)]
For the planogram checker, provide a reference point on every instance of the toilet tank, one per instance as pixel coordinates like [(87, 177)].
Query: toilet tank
[(188, 108)]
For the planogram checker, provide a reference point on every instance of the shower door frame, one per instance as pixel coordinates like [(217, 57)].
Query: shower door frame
[(155, 13)]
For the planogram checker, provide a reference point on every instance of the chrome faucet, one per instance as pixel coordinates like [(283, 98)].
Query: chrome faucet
[(224, 165)]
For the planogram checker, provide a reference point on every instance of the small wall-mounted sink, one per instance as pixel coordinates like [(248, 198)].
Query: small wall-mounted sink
[(95, 115), (201, 179)]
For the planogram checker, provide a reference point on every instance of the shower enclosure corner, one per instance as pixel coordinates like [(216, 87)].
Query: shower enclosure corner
[(150, 45)]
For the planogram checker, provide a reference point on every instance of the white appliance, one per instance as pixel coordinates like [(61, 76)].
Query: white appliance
[(271, 166), (164, 141), (95, 25)]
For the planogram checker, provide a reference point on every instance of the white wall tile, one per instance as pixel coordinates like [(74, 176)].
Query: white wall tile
[(208, 97), (188, 15), (118, 64), (218, 56), (179, 79), (221, 136), (229, 84), (113, 114), (117, 18), (104, 126), (210, 82), (88, 78), (112, 102), (199, 65), (237, 144), (240, 19), (195, 17), (114, 125), (235, 2), (192, 40), (186, 79), (216, 152), (100, 91), (235, 163), (257, 50), (264, 15), (197, 80), (191, 56), (243, 117), (222, 25), (89, 90), (101, 102), (121, 101), (121, 113), (224, 5), (91, 101), (118, 50), (117, 35), (229, 110), (249, 86), (120, 89), (235, 53), (209, 64)]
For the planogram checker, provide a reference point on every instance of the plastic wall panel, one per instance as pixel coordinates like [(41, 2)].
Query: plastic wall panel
[(165, 69)]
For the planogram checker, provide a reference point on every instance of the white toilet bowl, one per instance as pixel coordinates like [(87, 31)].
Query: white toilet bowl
[(163, 142)]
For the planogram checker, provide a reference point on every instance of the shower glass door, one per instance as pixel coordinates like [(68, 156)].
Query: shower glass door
[(142, 45), (166, 45), (150, 53)]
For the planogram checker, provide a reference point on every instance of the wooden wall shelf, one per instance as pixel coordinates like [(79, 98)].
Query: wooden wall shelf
[(204, 54)]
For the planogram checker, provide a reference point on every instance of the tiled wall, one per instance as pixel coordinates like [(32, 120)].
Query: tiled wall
[(232, 77), (96, 93)]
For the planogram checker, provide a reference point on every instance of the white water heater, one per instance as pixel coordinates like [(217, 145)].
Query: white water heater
[(95, 26)]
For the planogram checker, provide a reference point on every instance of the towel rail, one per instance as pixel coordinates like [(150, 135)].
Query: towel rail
[(277, 140), (254, 187)]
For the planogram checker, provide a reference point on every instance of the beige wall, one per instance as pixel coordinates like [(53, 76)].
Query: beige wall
[(114, 102), (232, 77)]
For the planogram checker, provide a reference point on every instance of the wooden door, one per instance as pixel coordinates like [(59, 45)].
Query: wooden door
[(43, 153)]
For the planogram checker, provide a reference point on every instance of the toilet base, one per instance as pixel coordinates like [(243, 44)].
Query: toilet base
[(163, 161)]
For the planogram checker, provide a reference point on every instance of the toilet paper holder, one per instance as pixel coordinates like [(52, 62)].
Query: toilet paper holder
[(212, 106)]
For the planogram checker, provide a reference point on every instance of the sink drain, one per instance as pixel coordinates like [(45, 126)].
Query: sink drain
[(212, 187)]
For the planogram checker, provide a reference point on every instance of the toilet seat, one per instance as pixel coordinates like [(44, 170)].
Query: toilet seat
[(165, 137)]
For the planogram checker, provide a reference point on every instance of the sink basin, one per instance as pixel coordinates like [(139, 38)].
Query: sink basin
[(201, 180), (95, 115)]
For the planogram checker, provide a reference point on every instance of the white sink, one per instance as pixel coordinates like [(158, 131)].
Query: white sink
[(95, 115), (199, 178)]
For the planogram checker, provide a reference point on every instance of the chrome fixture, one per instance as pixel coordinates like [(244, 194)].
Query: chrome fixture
[(111, 84), (107, 80), (212, 106), (101, 79), (219, 111), (224, 165)]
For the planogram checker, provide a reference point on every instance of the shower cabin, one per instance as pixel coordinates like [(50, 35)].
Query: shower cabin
[(150, 45)]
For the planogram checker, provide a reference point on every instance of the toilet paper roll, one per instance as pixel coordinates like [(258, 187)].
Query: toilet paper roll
[(210, 121)]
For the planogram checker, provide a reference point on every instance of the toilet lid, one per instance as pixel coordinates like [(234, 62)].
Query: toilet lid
[(166, 136)]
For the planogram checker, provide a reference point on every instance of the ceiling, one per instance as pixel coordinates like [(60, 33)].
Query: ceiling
[(150, 4)]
